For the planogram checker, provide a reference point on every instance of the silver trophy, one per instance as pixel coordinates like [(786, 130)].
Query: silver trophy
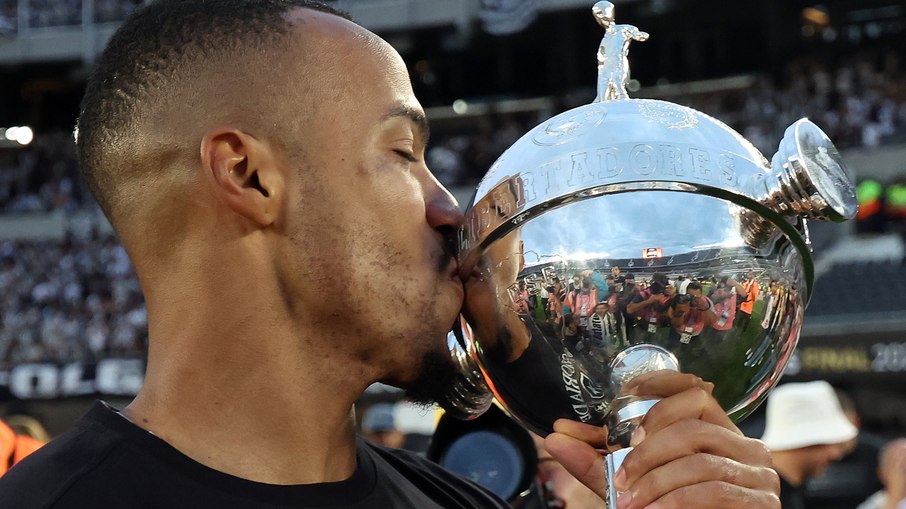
[(629, 236)]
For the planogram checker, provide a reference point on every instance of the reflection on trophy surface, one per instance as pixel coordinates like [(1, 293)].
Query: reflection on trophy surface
[(710, 239)]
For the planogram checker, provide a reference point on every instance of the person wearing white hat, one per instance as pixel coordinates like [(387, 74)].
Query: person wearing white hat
[(806, 431)]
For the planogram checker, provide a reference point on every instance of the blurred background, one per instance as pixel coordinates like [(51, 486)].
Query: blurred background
[(72, 319)]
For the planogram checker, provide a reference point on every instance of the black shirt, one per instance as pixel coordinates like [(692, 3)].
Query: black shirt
[(105, 461)]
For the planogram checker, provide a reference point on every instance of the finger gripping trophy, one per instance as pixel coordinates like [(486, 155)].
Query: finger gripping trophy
[(649, 237)]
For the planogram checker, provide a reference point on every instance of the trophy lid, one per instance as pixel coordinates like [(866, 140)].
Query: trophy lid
[(617, 144)]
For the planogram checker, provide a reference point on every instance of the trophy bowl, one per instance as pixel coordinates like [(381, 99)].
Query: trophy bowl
[(628, 236)]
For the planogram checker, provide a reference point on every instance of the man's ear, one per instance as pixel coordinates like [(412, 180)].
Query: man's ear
[(244, 173)]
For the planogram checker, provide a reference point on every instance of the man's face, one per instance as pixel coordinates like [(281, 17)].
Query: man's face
[(819, 457), (615, 271), (367, 220), (601, 309)]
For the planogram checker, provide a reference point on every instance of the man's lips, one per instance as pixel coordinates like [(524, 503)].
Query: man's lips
[(453, 269)]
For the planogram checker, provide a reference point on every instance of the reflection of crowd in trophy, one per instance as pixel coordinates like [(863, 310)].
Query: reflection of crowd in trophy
[(600, 312)]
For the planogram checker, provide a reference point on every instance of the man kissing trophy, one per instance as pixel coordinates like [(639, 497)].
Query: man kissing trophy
[(668, 192)]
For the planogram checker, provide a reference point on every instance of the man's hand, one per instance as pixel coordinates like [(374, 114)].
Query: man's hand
[(688, 453)]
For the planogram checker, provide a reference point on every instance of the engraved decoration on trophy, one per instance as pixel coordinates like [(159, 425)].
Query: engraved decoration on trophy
[(653, 237)]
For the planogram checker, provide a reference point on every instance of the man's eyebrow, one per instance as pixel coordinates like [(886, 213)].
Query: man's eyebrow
[(417, 117)]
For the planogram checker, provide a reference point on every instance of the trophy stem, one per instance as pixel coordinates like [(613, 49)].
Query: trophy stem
[(612, 463), (625, 417)]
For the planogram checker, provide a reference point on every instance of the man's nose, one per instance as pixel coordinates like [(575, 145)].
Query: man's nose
[(441, 209)]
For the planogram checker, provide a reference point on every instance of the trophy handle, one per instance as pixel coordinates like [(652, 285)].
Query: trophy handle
[(813, 180), (469, 396)]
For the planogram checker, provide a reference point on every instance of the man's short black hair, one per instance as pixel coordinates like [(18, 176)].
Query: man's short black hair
[(157, 43)]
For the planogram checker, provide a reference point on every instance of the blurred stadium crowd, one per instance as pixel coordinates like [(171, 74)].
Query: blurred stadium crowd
[(61, 13), (78, 299), (854, 103)]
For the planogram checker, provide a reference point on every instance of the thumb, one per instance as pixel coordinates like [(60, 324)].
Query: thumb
[(580, 459)]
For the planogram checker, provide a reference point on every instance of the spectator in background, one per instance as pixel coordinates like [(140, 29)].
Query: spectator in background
[(618, 278), (14, 447), (647, 307), (582, 302), (748, 298), (521, 299), (605, 329), (627, 294), (725, 296), (851, 480), (690, 313), (806, 431), (75, 301), (379, 426), (26, 425), (571, 336), (892, 473)]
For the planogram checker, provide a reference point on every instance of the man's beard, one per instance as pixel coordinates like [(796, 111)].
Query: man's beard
[(435, 378), (437, 372)]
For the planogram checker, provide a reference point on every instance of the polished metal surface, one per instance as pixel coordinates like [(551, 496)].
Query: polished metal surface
[(664, 193), (612, 463), (470, 389)]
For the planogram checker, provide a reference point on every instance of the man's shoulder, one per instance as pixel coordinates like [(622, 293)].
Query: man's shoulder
[(43, 479), (407, 463), (433, 480)]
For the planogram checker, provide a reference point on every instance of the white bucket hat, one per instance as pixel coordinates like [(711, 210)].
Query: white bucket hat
[(804, 414)]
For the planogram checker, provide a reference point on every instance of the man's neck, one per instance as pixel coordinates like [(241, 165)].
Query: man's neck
[(268, 442), (239, 382), (285, 414)]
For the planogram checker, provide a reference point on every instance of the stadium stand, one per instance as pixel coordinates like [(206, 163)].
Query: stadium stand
[(69, 295)]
